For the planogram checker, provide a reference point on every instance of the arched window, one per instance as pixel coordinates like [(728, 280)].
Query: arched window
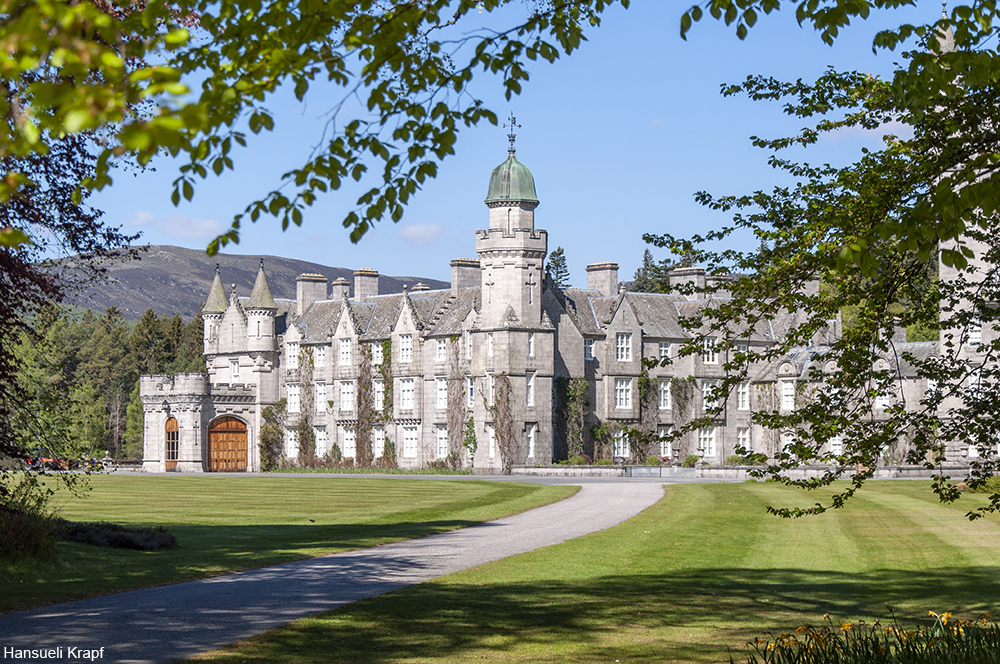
[(170, 454)]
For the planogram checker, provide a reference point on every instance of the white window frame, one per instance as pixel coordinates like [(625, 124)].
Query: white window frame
[(319, 357), (234, 371), (292, 354), (787, 440), (529, 440), (489, 344), (491, 435), (294, 398), (623, 347), (975, 332), (706, 441), (321, 441), (664, 394), (623, 393), (410, 442), (836, 445), (666, 447), (406, 399), (664, 350), (620, 446), (531, 344), (709, 401), (378, 442), (468, 345), (788, 395), (708, 354), (743, 396), (350, 450), (378, 394), (529, 390), (345, 352), (347, 395), (405, 348), (588, 350), (743, 437), (489, 389), (442, 350), (321, 399), (442, 393), (442, 442), (377, 358)]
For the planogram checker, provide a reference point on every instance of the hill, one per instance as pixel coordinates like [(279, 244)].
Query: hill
[(172, 280)]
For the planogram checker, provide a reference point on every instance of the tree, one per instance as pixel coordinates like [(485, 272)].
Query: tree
[(867, 231), (134, 425), (557, 268), (272, 436), (647, 278)]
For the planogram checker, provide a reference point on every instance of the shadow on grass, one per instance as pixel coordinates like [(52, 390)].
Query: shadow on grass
[(670, 617), (203, 551)]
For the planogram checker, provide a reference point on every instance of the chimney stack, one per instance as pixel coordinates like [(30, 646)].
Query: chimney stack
[(603, 277), (340, 289), (365, 284), (465, 273), (308, 289)]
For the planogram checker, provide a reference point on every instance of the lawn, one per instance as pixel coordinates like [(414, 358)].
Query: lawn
[(228, 523), (703, 570)]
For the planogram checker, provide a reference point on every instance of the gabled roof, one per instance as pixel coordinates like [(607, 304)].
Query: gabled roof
[(657, 314), (319, 320), (457, 312), (384, 316)]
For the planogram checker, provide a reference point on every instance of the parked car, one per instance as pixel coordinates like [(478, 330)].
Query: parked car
[(42, 459)]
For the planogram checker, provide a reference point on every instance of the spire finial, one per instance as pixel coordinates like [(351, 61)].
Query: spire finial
[(944, 9), (261, 263), (512, 126), (217, 271)]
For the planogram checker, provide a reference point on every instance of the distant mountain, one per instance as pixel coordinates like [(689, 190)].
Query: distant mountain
[(172, 280)]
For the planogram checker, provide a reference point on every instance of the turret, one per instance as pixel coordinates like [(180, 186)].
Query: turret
[(261, 310), (212, 313)]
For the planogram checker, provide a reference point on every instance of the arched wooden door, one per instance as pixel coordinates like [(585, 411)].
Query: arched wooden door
[(170, 453), (227, 446)]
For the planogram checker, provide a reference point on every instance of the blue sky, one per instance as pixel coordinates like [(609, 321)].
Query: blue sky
[(619, 137)]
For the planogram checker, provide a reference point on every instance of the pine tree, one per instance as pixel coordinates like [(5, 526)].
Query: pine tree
[(148, 344), (557, 268), (647, 277), (134, 425)]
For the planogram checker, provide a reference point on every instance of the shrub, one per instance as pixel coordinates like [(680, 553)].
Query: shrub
[(946, 640), (577, 460), (604, 462), (26, 535), (114, 536), (652, 460), (690, 460), (989, 485), (735, 460)]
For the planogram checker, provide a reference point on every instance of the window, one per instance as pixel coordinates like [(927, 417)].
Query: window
[(406, 348), (493, 440), (442, 393), (708, 354), (406, 394), (743, 438), (529, 390), (376, 354), (664, 394), (708, 400), (234, 371), (973, 451), (489, 344), (320, 356), (787, 440), (743, 396), (489, 389), (836, 445), (292, 354), (293, 398), (442, 442), (350, 444), (531, 344), (882, 401), (345, 352), (666, 448), (291, 444), (321, 396), (321, 442), (410, 442), (623, 347), (975, 332), (529, 439), (258, 329), (378, 442), (932, 387), (788, 395), (347, 395), (664, 350), (468, 345), (588, 349), (620, 448), (706, 441), (623, 392), (470, 389), (442, 350), (378, 394)]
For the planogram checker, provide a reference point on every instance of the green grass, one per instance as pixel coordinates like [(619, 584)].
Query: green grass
[(226, 523), (704, 570)]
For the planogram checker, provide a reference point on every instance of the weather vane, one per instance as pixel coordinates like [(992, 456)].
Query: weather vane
[(511, 136)]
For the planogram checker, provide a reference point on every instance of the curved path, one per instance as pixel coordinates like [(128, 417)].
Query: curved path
[(178, 621)]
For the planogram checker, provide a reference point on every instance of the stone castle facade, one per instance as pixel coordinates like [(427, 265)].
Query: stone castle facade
[(413, 368)]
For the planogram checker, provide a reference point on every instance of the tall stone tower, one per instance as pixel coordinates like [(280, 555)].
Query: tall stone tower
[(212, 313), (511, 251)]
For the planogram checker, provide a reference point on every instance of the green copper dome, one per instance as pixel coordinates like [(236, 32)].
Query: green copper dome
[(511, 181)]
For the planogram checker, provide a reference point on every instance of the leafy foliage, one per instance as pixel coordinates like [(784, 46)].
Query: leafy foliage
[(272, 434)]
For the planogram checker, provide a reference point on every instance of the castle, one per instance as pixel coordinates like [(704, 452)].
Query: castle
[(405, 373)]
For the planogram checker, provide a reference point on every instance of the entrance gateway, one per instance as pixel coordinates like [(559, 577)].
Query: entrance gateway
[(227, 446)]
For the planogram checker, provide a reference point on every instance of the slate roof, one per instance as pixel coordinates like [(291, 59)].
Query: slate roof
[(458, 310), (319, 320), (657, 314), (384, 316), (577, 303), (260, 297), (217, 300)]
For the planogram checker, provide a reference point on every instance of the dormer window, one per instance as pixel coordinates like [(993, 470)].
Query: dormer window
[(708, 354), (345, 352), (292, 354), (623, 347), (406, 348)]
